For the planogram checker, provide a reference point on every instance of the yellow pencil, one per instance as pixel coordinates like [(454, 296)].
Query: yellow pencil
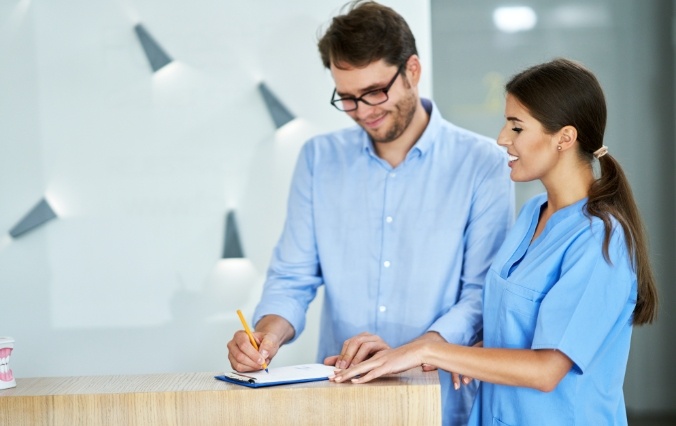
[(251, 338)]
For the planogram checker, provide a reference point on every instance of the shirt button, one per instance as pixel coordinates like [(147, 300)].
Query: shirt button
[(382, 308), (393, 175), (386, 263), (388, 219)]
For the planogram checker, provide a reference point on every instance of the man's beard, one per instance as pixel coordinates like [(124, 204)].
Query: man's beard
[(403, 115)]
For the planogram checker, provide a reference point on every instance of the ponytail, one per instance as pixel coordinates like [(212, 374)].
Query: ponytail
[(561, 93), (611, 195)]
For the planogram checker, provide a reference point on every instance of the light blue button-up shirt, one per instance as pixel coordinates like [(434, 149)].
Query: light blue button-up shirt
[(401, 251)]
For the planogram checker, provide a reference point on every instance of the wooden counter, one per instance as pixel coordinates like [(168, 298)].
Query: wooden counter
[(190, 399)]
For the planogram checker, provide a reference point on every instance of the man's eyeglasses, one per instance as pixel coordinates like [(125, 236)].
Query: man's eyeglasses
[(372, 98)]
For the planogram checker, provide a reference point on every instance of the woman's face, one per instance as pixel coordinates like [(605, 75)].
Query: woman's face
[(532, 152)]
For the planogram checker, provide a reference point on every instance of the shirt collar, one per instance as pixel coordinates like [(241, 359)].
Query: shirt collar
[(430, 134), (563, 213), (426, 139)]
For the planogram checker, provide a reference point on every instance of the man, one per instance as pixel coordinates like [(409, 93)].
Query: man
[(398, 217)]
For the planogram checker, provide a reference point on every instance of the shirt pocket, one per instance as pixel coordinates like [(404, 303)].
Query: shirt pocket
[(519, 310)]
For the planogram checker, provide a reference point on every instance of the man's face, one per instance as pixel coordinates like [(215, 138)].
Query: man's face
[(387, 121)]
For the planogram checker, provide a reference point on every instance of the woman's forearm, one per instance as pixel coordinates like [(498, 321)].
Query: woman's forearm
[(537, 369)]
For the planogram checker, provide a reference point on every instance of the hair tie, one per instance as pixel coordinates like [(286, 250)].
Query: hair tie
[(601, 152)]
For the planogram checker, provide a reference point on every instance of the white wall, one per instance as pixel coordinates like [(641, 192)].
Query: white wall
[(142, 168)]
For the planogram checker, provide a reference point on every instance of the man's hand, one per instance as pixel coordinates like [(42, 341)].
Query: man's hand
[(272, 331), (384, 362), (356, 349)]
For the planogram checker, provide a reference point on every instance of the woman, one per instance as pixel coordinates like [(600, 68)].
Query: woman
[(570, 280)]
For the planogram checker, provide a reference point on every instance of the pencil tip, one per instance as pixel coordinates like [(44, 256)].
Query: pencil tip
[(266, 370)]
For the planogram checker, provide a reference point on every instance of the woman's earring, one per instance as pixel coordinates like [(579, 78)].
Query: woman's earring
[(559, 147)]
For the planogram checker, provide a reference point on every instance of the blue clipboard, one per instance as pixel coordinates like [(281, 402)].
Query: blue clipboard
[(279, 376)]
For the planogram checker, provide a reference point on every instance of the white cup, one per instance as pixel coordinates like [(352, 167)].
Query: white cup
[(6, 376)]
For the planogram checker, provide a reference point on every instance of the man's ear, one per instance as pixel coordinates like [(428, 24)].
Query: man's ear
[(413, 70)]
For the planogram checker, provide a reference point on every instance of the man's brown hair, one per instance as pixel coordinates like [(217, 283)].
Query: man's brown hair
[(365, 34)]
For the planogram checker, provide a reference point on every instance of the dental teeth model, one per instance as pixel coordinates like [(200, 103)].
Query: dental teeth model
[(6, 376)]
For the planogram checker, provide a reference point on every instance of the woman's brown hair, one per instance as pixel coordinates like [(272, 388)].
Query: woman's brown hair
[(564, 93)]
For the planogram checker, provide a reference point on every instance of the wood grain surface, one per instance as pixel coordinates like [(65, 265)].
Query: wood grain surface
[(191, 399)]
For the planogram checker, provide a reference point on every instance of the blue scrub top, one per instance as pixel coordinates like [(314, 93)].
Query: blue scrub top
[(559, 292)]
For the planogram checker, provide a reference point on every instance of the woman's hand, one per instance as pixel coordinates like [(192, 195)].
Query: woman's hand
[(384, 362), (356, 349)]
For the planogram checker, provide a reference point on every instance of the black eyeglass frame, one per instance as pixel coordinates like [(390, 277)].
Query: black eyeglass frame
[(385, 89)]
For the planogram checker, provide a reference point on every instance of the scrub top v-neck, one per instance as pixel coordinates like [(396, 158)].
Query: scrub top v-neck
[(559, 292)]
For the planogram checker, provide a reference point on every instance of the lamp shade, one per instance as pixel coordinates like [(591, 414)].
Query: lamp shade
[(157, 57), (41, 213), (279, 113), (232, 248)]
